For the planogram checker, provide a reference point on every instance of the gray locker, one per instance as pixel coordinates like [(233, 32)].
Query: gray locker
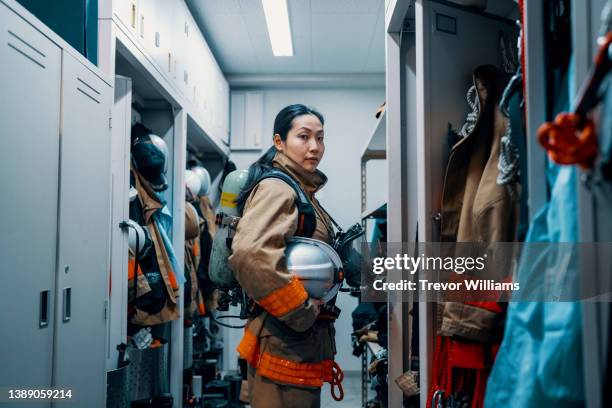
[(84, 234), (29, 161), (120, 159), (55, 220)]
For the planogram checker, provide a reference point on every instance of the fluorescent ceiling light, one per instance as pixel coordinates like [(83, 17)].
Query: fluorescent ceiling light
[(277, 19)]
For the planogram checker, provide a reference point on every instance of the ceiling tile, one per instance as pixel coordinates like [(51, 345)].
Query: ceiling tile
[(216, 6), (301, 62), (300, 16), (340, 42), (328, 36), (375, 61), (346, 6), (232, 42)]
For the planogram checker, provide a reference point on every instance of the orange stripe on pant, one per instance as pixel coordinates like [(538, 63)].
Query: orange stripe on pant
[(290, 372), (284, 300)]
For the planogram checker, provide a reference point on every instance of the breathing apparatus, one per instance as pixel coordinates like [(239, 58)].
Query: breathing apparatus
[(319, 266)]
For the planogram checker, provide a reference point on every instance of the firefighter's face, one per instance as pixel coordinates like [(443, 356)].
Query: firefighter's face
[(304, 144)]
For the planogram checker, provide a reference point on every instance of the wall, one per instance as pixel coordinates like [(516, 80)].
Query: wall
[(349, 121)]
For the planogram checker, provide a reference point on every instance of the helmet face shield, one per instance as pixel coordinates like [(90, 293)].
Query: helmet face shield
[(192, 184), (150, 157), (204, 180), (348, 245), (163, 147), (316, 265)]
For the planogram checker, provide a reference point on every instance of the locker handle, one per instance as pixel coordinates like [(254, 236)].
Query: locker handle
[(67, 295), (43, 315)]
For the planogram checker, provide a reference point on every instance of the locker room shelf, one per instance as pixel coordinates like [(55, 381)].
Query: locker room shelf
[(376, 148), (375, 211)]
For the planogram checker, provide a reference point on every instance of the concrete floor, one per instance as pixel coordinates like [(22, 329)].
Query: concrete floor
[(352, 393)]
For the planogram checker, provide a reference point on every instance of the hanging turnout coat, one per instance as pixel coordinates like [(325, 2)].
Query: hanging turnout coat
[(149, 205), (475, 208)]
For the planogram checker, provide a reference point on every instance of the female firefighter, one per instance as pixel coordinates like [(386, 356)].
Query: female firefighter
[(289, 339)]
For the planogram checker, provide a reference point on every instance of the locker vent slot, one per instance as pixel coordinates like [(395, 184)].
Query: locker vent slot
[(88, 86), (26, 53), (87, 89), (88, 95), (36, 50)]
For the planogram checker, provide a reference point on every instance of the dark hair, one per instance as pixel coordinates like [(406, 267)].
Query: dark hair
[(282, 126)]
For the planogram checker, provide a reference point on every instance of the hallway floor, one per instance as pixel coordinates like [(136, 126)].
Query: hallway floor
[(352, 393)]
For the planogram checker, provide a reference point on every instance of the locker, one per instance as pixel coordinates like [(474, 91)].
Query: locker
[(247, 120), (127, 12), (83, 239), (147, 22), (165, 54), (29, 159), (185, 48), (120, 159)]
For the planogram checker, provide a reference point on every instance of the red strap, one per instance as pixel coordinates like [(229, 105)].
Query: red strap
[(337, 378)]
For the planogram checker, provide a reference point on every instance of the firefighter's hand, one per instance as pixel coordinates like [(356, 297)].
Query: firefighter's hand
[(317, 303)]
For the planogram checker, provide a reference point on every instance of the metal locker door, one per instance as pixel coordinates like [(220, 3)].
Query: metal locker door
[(120, 159), (84, 234), (29, 162)]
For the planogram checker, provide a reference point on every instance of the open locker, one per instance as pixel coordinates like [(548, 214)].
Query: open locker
[(433, 48), (141, 99), (437, 44)]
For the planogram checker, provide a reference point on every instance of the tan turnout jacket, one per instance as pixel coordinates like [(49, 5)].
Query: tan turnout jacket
[(286, 343)]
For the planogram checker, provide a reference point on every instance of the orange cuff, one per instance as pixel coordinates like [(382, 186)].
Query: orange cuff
[(284, 300), (249, 348)]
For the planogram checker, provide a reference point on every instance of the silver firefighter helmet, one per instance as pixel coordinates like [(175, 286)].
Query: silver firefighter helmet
[(317, 265), (137, 239)]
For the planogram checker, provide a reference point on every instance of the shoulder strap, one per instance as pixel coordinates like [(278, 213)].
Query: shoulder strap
[(307, 220)]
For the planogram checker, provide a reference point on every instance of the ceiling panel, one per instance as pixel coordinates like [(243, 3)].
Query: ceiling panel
[(346, 6), (329, 36), (339, 40), (300, 17), (300, 62), (220, 6), (376, 55)]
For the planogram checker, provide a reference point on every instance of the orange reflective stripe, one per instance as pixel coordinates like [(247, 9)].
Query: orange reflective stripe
[(290, 372), (284, 300), (131, 267), (196, 249), (305, 374), (172, 278), (201, 309), (249, 348)]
